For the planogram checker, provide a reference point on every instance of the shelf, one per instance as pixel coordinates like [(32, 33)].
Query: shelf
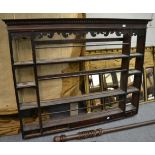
[(83, 73), (76, 59), (134, 71), (72, 59), (80, 73), (23, 63), (25, 85), (132, 90), (67, 100), (132, 55), (74, 119), (82, 117), (45, 42), (81, 45)]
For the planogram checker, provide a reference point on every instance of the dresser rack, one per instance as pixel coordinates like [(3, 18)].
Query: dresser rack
[(124, 29)]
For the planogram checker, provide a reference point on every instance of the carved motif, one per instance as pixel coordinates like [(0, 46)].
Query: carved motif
[(66, 34)]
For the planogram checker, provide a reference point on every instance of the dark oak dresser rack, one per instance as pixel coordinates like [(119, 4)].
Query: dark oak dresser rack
[(123, 29)]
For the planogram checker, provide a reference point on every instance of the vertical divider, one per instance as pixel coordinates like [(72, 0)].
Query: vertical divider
[(102, 88), (138, 65), (15, 82), (125, 65), (145, 84), (36, 82)]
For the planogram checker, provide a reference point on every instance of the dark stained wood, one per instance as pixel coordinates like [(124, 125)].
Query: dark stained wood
[(134, 71), (25, 85), (36, 29), (82, 58), (76, 59), (75, 24), (139, 66), (125, 65), (74, 119)]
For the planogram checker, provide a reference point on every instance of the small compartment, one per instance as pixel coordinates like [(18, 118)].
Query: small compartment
[(52, 116), (94, 83), (27, 96), (132, 63), (24, 75), (104, 64), (22, 50), (112, 80), (103, 104), (104, 82), (30, 120), (133, 43), (112, 102), (130, 80), (57, 69)]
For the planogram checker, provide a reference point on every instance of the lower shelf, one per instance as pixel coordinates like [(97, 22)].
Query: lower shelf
[(73, 119), (54, 125), (70, 123), (64, 100)]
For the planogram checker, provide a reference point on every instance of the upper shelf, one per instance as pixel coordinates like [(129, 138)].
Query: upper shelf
[(77, 59), (25, 85)]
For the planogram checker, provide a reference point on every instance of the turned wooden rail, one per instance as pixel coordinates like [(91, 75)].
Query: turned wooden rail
[(100, 131)]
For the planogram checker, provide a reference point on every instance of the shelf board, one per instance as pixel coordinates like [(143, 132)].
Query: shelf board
[(76, 59), (25, 85), (82, 58), (23, 63), (132, 55), (83, 73), (134, 71), (46, 42), (132, 90), (72, 59), (73, 119), (80, 73), (74, 99)]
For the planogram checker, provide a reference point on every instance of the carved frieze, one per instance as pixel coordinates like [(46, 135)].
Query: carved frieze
[(66, 34)]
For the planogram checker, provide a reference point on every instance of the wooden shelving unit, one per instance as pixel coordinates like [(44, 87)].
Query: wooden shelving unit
[(37, 28)]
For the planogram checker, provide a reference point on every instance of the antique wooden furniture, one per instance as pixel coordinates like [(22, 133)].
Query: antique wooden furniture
[(36, 29)]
